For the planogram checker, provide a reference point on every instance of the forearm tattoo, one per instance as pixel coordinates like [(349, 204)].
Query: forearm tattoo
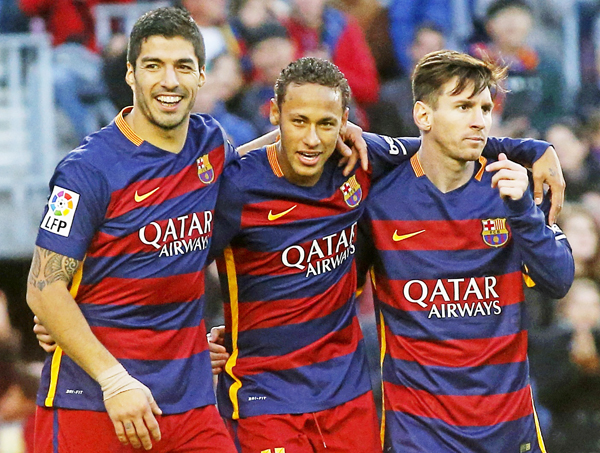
[(48, 267)]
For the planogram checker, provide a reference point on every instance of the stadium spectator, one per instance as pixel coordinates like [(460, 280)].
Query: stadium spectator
[(578, 223), (581, 168), (270, 51), (77, 68), (322, 31), (565, 363), (223, 81), (211, 17), (533, 99), (393, 114)]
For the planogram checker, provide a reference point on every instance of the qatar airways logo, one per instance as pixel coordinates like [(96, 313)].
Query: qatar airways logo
[(322, 255), (449, 298), (179, 235)]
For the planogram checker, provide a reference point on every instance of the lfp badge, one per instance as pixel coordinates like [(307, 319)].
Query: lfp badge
[(494, 233), (206, 173), (62, 205), (352, 192)]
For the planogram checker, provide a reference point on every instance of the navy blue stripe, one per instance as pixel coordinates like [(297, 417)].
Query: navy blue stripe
[(55, 430), (414, 324), (143, 265), (172, 316), (310, 388), (281, 340), (426, 264), (437, 380), (409, 434)]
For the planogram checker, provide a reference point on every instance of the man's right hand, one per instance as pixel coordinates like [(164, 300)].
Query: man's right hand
[(130, 406), (132, 415)]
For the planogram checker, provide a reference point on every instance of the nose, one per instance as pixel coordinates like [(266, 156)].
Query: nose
[(170, 79), (311, 139), (478, 121)]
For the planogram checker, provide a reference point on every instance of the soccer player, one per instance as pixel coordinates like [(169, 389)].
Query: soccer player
[(452, 232), (297, 378), (117, 275)]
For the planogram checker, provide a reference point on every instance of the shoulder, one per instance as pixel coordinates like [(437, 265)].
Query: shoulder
[(250, 169)]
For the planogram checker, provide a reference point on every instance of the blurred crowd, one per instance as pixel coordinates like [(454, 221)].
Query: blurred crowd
[(375, 43)]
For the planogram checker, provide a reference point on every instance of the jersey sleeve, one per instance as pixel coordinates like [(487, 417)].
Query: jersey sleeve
[(79, 196), (228, 210), (385, 152), (544, 249), (525, 151)]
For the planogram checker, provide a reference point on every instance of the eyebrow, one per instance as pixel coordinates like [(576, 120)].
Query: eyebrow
[(158, 60)]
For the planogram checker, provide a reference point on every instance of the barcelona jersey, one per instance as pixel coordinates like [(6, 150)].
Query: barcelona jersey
[(289, 280), (448, 284), (141, 220)]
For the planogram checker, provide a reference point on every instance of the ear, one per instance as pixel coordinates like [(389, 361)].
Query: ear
[(422, 116), (274, 114), (344, 120), (130, 76), (202, 76)]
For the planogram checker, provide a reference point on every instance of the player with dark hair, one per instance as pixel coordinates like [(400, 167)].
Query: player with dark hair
[(118, 269), (452, 233), (297, 378)]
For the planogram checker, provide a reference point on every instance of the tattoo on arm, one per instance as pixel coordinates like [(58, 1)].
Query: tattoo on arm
[(552, 172), (48, 267)]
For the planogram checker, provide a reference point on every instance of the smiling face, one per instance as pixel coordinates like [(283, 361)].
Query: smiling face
[(310, 119), (457, 124), (165, 81)]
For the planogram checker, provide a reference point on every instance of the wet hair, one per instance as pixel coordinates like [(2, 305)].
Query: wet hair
[(437, 68), (169, 22), (312, 70)]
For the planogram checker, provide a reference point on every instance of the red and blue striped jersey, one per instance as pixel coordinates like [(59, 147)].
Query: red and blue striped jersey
[(448, 287), (289, 280), (141, 219)]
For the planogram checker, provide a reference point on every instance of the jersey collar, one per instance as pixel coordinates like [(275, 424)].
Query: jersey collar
[(418, 169), (125, 129)]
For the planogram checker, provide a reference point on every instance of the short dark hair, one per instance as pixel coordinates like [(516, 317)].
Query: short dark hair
[(437, 68), (312, 70), (168, 22), (501, 5)]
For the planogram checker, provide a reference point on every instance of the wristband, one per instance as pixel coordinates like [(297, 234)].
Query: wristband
[(117, 380)]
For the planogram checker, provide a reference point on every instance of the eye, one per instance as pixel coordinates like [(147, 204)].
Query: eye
[(151, 66), (487, 108), (464, 107), (298, 121)]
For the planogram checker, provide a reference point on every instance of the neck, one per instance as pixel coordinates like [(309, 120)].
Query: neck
[(445, 172), (171, 140)]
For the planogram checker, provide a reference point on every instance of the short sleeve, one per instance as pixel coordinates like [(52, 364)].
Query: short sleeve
[(76, 208)]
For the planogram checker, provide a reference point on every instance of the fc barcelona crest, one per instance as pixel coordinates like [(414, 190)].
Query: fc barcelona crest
[(352, 192), (206, 173), (494, 233)]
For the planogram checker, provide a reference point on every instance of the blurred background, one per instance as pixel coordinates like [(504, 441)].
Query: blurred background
[(62, 67)]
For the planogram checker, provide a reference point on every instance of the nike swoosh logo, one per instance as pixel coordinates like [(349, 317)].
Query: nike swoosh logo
[(281, 214), (140, 198), (398, 238)]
